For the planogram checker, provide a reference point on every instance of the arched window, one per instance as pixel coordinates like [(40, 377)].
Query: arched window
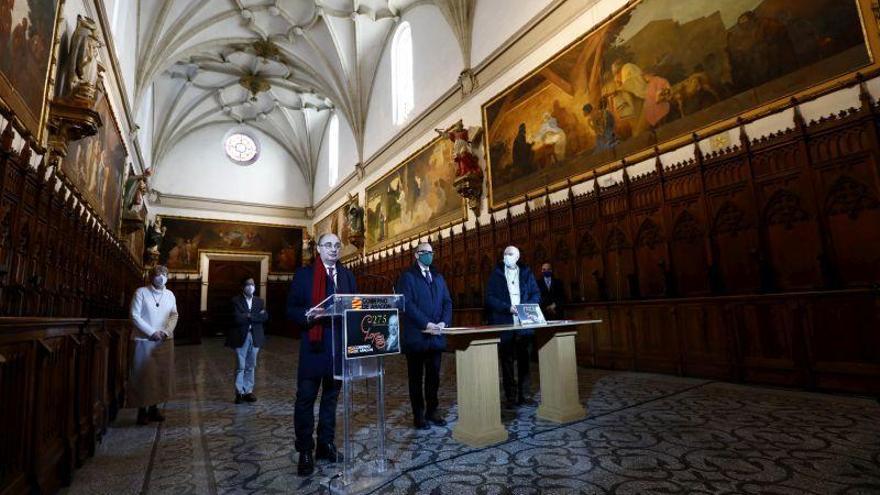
[(333, 150), (402, 73)]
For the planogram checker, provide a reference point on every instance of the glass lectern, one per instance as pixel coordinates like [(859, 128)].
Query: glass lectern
[(366, 328)]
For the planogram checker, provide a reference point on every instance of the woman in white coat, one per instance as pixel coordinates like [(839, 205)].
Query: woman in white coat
[(154, 314)]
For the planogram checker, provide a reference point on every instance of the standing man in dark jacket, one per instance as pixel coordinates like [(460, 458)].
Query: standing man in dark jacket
[(311, 285), (552, 293), (512, 283), (246, 337), (428, 310)]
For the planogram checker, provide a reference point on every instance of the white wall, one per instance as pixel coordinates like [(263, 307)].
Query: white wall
[(497, 20), (198, 167), (436, 65), (347, 157)]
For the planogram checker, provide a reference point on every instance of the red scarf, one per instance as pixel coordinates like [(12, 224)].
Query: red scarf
[(319, 292)]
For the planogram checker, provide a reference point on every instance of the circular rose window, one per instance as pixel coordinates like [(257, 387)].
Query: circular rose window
[(241, 148)]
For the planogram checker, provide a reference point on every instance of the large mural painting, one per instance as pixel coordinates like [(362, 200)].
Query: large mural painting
[(338, 223), (27, 38), (660, 70), (415, 197), (186, 237)]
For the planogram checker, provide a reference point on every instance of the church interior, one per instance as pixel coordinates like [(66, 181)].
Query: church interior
[(440, 246)]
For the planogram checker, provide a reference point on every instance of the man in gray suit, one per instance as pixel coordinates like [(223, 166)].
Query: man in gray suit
[(246, 337)]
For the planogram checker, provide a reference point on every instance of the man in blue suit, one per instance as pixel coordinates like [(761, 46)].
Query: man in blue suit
[(512, 283), (428, 310), (310, 286)]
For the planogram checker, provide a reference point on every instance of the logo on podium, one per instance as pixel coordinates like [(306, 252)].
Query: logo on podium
[(371, 333)]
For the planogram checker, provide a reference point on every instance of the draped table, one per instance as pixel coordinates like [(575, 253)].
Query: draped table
[(479, 396)]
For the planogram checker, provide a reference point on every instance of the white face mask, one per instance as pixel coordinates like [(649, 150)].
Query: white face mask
[(159, 281), (510, 260), (249, 290)]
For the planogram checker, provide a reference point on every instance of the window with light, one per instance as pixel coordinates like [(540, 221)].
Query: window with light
[(333, 150), (402, 73), (241, 148)]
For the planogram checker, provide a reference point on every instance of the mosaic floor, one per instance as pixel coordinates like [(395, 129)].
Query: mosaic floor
[(645, 434)]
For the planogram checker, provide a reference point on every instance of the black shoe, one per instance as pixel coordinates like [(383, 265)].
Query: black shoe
[(435, 419), (328, 452), (239, 398), (306, 464), (420, 424), (142, 418), (155, 415), (249, 397), (526, 401)]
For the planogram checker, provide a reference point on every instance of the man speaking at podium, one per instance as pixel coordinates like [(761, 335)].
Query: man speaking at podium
[(428, 306), (311, 285)]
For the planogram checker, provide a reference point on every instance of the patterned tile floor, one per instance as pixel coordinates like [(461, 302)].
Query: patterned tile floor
[(645, 434)]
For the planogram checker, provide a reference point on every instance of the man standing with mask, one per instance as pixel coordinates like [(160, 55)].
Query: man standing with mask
[(552, 293), (154, 314), (246, 337), (428, 310), (311, 285), (512, 283)]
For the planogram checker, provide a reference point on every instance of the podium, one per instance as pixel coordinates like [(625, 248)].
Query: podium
[(365, 329), (476, 360)]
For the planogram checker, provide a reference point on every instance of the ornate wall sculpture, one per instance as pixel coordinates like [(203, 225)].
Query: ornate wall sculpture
[(415, 197), (660, 70), (184, 238), (465, 158)]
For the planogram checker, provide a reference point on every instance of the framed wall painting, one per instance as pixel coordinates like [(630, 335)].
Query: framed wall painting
[(186, 238), (28, 35), (659, 70), (416, 196), (96, 166)]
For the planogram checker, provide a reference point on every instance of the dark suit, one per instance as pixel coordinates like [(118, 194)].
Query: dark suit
[(555, 294), (315, 369), (237, 334), (246, 337), (424, 303), (515, 346)]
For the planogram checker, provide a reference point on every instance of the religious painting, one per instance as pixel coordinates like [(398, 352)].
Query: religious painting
[(27, 40), (96, 166), (185, 238), (337, 223), (660, 70), (415, 197)]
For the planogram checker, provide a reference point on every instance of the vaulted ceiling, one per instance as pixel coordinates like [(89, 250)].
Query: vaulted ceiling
[(282, 66)]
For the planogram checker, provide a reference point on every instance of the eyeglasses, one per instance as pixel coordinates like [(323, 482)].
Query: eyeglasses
[(328, 245), (424, 252)]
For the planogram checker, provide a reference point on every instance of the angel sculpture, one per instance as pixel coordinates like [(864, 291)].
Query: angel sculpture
[(464, 140)]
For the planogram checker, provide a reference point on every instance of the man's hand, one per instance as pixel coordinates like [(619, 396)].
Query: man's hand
[(513, 310), (315, 314), (552, 307), (158, 336), (433, 329)]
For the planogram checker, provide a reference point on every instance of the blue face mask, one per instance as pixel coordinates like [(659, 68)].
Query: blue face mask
[(426, 258)]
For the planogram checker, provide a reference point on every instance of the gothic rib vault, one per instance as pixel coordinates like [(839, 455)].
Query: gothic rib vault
[(282, 66)]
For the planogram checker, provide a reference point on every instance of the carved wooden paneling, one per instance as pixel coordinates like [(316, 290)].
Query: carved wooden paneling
[(55, 381)]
